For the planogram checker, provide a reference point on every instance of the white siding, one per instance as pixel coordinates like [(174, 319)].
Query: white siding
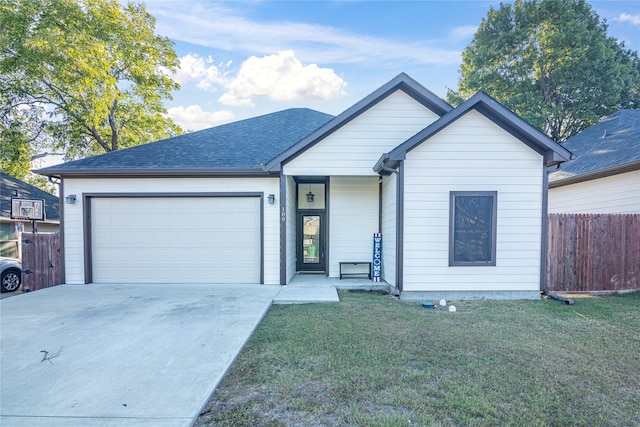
[(389, 192), (73, 224), (616, 194), (291, 228), (472, 154), (353, 210), (356, 147)]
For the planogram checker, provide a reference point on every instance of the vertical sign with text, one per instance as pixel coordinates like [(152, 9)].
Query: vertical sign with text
[(376, 267)]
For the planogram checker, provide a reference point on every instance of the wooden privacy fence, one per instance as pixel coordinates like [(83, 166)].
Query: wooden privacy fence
[(593, 252), (40, 261)]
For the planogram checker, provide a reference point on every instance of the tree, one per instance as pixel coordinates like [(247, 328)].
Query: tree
[(81, 77), (552, 63)]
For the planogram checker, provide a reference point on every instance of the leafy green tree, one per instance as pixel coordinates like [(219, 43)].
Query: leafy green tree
[(15, 151), (551, 62), (81, 77)]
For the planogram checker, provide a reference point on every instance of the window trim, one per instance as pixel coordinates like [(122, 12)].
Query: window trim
[(494, 227)]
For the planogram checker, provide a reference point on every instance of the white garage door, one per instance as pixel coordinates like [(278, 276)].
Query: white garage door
[(176, 240)]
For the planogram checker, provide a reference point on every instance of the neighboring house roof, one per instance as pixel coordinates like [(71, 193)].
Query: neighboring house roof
[(244, 147), (554, 153), (609, 147), (11, 187)]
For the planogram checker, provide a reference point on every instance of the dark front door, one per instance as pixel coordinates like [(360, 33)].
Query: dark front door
[(310, 244)]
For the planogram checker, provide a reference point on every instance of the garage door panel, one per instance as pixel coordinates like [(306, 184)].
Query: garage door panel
[(176, 240)]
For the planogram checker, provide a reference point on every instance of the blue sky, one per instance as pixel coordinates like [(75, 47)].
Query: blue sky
[(241, 59)]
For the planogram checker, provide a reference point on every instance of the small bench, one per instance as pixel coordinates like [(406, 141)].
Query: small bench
[(356, 273)]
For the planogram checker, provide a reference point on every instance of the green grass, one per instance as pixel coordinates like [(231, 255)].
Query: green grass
[(374, 361)]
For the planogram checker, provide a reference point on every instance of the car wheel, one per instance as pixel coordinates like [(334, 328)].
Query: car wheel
[(10, 280)]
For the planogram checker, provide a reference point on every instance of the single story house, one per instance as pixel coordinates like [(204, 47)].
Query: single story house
[(605, 176), (458, 194), (12, 188)]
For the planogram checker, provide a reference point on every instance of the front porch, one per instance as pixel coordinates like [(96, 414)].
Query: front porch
[(329, 221), (307, 288), (311, 280)]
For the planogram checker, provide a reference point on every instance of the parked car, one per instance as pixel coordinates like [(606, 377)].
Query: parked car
[(11, 274)]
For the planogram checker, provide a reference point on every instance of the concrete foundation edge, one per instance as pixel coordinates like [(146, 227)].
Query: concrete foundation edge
[(468, 295)]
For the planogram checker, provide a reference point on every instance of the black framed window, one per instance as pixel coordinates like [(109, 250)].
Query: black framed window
[(472, 228)]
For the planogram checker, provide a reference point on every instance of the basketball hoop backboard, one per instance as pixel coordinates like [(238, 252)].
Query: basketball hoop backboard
[(27, 209)]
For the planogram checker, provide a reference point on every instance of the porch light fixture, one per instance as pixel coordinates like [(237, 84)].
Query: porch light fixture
[(271, 199), (70, 199), (310, 196)]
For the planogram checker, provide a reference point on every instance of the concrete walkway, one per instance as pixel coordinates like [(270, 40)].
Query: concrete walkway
[(295, 295), (309, 280), (126, 355)]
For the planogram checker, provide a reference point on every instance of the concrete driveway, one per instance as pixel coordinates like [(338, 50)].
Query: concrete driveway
[(121, 355)]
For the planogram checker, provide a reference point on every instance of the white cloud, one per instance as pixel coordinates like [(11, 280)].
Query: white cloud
[(218, 25), (625, 17), (463, 33), (194, 118), (195, 67), (234, 100), (281, 77)]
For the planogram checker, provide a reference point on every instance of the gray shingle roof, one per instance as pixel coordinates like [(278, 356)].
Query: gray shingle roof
[(614, 141), (245, 144), (9, 186)]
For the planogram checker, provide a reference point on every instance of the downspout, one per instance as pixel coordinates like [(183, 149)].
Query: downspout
[(385, 168), (545, 239), (388, 169), (380, 204), (544, 245), (327, 221), (399, 225), (399, 228), (381, 166), (567, 301)]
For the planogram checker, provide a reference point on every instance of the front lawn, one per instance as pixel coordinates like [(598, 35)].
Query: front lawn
[(373, 361)]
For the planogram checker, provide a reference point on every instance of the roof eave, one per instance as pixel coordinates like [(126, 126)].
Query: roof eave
[(553, 158), (156, 173), (602, 173), (386, 165)]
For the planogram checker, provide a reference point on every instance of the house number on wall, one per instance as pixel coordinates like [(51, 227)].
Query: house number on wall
[(283, 214)]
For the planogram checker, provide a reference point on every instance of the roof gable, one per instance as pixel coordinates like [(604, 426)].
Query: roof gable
[(241, 147), (494, 111), (13, 187), (400, 82), (609, 145)]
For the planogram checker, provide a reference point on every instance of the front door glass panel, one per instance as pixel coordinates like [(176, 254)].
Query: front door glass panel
[(311, 239)]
